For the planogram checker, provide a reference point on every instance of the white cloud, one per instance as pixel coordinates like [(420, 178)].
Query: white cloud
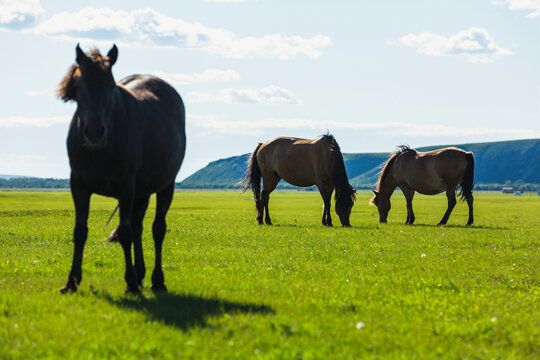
[(208, 75), (33, 121), (16, 14), (217, 123), (533, 5), (269, 95), (474, 44), (147, 27)]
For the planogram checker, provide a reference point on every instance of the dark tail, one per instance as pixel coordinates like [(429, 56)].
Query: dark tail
[(467, 183), (252, 176)]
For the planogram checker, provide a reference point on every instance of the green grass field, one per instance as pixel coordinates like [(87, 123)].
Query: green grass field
[(289, 291)]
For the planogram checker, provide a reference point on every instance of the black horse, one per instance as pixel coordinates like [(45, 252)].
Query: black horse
[(126, 140)]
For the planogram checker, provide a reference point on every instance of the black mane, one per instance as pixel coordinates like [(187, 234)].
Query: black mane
[(400, 149), (345, 194)]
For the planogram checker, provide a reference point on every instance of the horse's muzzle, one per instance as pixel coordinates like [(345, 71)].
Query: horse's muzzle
[(95, 142)]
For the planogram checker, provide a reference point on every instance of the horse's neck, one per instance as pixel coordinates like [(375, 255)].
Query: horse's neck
[(388, 185)]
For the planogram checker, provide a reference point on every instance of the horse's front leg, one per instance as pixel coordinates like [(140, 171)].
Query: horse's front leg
[(81, 199), (409, 195), (326, 205), (451, 195), (329, 189), (125, 234)]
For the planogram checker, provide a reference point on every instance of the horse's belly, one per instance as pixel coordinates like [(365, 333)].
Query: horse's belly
[(102, 185), (430, 187)]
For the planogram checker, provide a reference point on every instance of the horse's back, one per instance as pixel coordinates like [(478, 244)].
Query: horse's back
[(297, 161)]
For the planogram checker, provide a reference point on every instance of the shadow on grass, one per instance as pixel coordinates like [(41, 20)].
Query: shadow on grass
[(462, 226), (336, 226), (183, 310)]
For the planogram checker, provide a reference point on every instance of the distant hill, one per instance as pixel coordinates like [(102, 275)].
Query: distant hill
[(510, 163), (514, 163)]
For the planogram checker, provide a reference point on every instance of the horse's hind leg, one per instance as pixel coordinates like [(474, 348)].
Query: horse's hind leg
[(451, 195), (470, 204), (81, 199), (269, 184), (139, 209), (260, 209), (125, 235), (163, 201)]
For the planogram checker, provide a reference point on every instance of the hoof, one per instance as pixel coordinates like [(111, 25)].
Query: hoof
[(68, 289), (132, 292), (113, 236), (159, 288), (469, 223)]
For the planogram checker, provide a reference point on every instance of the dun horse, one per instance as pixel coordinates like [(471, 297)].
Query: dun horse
[(126, 140), (300, 162), (428, 173)]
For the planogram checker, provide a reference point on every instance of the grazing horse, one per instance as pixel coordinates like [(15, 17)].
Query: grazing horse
[(428, 173), (126, 140), (300, 162)]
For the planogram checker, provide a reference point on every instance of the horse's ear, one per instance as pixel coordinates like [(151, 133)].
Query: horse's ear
[(113, 55), (375, 192), (80, 55)]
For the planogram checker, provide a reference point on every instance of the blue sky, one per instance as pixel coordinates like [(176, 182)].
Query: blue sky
[(374, 73)]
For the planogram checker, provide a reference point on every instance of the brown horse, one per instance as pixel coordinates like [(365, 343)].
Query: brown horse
[(300, 162), (428, 173)]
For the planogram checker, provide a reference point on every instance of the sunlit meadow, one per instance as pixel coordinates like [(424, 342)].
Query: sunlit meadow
[(292, 290)]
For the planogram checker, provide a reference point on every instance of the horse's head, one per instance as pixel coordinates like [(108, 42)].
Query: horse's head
[(344, 203), (383, 205), (92, 86)]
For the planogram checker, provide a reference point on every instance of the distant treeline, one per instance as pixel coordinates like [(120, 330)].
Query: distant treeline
[(516, 186), (34, 183), (49, 183)]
